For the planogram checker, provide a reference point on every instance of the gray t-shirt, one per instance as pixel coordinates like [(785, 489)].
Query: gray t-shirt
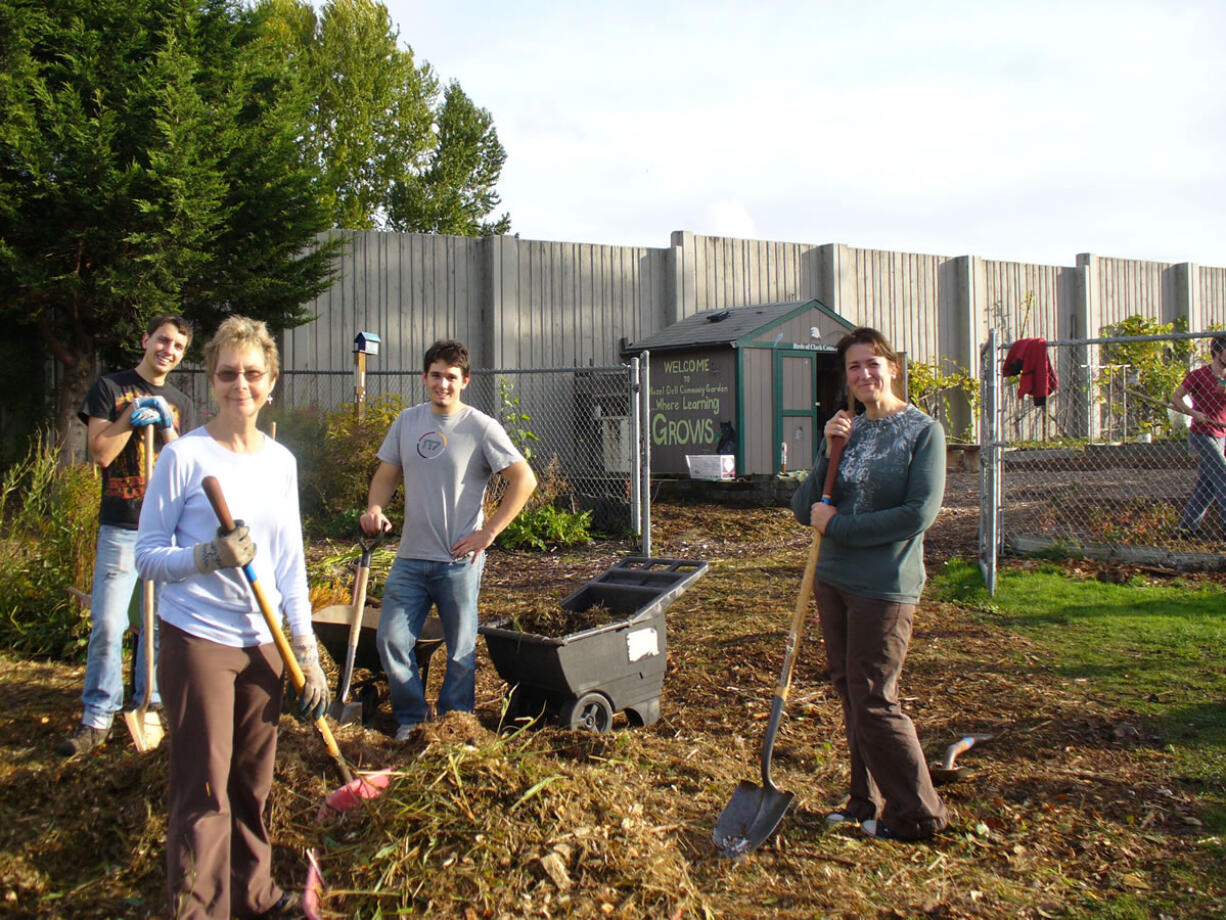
[(447, 461)]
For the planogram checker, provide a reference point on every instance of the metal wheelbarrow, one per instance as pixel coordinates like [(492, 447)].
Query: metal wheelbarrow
[(351, 643)]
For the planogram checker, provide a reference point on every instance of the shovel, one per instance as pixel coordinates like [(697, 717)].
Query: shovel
[(944, 771), (145, 724), (344, 710), (754, 812)]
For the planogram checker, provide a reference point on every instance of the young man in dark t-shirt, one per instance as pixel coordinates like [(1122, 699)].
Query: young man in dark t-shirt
[(116, 407)]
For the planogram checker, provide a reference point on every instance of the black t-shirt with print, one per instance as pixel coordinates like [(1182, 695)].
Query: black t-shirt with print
[(123, 481)]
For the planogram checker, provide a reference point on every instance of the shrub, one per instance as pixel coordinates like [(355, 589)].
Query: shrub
[(546, 526), (545, 521), (336, 459), (1152, 371), (930, 386), (49, 516)]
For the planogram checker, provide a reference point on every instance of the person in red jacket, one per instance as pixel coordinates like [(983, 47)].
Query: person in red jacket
[(1205, 389)]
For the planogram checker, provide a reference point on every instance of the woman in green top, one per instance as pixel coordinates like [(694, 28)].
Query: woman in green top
[(869, 578)]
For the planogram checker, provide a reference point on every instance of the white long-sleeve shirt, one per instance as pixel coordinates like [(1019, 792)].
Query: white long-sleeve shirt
[(261, 489)]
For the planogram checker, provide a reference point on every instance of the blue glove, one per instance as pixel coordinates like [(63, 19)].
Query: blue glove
[(152, 410)]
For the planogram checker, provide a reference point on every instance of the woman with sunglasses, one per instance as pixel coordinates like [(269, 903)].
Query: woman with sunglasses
[(218, 669)]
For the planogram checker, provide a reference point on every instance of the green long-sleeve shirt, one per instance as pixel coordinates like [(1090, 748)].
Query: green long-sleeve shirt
[(888, 491)]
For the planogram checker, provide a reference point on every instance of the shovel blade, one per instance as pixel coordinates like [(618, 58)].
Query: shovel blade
[(749, 818), (343, 712), (146, 729)]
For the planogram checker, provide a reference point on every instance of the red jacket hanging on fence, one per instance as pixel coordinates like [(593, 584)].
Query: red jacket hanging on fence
[(1029, 358)]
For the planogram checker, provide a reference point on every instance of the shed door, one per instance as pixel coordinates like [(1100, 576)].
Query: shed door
[(795, 408)]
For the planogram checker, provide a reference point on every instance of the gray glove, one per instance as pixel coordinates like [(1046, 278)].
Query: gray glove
[(315, 697), (227, 551)]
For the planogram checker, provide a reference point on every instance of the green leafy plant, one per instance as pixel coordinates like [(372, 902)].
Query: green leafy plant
[(545, 526), (515, 420), (1151, 372), (932, 385), (49, 519)]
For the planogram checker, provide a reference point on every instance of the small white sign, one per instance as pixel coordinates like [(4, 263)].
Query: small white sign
[(711, 466), (642, 642)]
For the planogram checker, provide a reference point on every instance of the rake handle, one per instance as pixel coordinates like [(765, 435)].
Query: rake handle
[(212, 489)]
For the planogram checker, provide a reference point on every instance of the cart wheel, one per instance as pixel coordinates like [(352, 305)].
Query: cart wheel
[(591, 712), (368, 696)]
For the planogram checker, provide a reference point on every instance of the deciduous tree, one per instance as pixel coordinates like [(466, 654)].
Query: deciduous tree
[(393, 152)]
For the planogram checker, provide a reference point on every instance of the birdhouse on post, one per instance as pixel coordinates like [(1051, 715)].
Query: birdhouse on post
[(364, 343)]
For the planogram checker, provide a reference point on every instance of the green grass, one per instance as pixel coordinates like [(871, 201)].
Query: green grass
[(1155, 649)]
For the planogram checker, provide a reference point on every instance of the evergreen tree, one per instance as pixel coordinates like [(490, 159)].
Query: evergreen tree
[(148, 163)]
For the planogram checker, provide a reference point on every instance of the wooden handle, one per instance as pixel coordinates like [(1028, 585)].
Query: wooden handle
[(832, 470), (149, 595), (212, 490)]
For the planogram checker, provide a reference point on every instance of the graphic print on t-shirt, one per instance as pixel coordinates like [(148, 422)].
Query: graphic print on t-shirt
[(431, 445)]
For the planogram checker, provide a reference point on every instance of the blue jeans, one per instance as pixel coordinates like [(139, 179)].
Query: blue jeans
[(115, 578), (1210, 480), (412, 587)]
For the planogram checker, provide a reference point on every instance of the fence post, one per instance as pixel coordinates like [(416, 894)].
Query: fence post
[(1086, 321), (635, 473), (644, 483), (990, 461)]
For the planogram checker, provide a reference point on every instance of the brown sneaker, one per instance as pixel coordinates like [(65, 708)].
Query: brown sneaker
[(82, 740)]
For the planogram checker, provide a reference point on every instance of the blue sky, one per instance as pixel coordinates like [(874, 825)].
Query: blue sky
[(1018, 131)]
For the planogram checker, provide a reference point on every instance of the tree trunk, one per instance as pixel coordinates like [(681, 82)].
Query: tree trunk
[(75, 356), (74, 383)]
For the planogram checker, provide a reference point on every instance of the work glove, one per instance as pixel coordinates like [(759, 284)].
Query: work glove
[(315, 697), (226, 551), (152, 410)]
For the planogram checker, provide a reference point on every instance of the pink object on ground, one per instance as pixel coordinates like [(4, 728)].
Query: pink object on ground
[(368, 786), (313, 888)]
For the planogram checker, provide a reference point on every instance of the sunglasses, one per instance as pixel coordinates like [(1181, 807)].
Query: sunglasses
[(229, 375)]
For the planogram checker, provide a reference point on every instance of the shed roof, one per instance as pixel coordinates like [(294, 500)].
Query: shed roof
[(732, 325)]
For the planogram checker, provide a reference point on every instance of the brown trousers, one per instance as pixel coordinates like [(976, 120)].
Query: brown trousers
[(222, 705), (866, 645)]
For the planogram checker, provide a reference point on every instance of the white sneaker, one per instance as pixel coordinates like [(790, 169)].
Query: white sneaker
[(404, 732)]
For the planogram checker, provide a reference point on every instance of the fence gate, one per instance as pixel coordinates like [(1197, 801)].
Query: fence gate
[(1096, 465)]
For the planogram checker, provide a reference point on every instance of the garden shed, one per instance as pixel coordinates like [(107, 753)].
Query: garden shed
[(744, 381)]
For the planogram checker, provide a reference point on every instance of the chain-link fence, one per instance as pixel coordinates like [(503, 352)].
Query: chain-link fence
[(1083, 456), (576, 424)]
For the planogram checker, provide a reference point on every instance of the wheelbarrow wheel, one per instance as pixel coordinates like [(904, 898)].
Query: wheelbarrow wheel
[(590, 712)]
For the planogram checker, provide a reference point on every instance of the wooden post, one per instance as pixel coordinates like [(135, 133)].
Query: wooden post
[(359, 385)]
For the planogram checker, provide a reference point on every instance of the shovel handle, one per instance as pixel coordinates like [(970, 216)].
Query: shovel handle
[(806, 584), (784, 686), (148, 593), (358, 615), (212, 489)]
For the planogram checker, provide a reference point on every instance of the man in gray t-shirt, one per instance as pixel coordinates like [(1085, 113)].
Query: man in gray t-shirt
[(444, 452)]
